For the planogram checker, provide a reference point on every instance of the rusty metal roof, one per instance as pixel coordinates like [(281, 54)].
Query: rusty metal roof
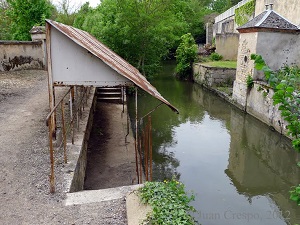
[(109, 57)]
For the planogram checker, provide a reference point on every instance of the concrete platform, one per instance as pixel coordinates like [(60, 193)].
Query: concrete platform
[(93, 196)]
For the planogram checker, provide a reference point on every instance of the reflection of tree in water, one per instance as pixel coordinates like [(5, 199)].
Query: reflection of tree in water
[(165, 164), (179, 94)]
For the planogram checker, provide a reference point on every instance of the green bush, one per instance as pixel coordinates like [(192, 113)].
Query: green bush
[(215, 56), (295, 194), (186, 54), (169, 202)]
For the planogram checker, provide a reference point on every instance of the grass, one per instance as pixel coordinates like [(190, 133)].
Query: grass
[(221, 64)]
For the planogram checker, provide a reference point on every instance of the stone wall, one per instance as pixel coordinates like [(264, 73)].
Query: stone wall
[(20, 55), (278, 49), (212, 76), (227, 45), (209, 33), (260, 105), (283, 45)]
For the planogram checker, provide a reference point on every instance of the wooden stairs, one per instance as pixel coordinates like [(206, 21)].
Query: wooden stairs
[(110, 94)]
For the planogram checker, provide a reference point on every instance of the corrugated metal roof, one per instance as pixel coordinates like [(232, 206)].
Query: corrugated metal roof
[(117, 63)]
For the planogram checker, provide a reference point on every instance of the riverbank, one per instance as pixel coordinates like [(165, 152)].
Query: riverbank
[(259, 102)]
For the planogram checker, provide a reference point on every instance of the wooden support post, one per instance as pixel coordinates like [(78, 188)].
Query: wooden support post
[(150, 146), (136, 136), (64, 131), (146, 151), (71, 116), (51, 121), (51, 151), (141, 161)]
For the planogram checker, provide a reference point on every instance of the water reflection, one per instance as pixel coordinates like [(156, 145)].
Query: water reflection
[(239, 169)]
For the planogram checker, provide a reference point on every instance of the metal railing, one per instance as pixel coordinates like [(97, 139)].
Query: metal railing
[(57, 118)]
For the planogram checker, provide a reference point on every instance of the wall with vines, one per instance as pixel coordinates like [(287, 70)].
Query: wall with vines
[(286, 86), (244, 13)]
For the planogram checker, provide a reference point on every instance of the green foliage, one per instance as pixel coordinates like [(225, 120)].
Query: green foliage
[(145, 32), (196, 14), (186, 54), (24, 14), (220, 6), (169, 202), (5, 22), (295, 194), (286, 85), (83, 12), (67, 12), (215, 57), (142, 32), (249, 82), (244, 13)]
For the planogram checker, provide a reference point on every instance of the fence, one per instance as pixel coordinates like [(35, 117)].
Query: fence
[(76, 99)]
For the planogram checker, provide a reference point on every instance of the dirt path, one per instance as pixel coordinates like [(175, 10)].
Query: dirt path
[(24, 161)]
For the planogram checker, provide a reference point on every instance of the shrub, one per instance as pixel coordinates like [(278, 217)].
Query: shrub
[(186, 54), (169, 202), (295, 194), (215, 56), (249, 82)]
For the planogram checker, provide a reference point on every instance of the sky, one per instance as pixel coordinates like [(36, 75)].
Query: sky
[(77, 3)]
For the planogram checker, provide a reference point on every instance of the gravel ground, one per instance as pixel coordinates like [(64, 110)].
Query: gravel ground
[(24, 161)]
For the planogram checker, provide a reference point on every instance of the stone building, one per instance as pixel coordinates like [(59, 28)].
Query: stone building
[(270, 35), (274, 38), (225, 27)]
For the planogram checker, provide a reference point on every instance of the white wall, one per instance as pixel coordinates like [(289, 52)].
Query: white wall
[(74, 65)]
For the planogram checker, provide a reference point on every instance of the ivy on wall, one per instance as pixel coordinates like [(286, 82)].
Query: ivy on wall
[(244, 13)]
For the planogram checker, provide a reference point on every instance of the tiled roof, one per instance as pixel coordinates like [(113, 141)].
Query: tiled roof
[(269, 20)]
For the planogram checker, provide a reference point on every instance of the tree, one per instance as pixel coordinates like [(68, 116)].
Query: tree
[(142, 32), (67, 12), (83, 12), (24, 14), (195, 15), (5, 22), (221, 6)]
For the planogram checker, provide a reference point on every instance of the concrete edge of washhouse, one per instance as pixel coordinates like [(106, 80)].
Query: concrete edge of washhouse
[(74, 173)]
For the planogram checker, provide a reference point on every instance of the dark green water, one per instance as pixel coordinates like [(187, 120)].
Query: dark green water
[(239, 169)]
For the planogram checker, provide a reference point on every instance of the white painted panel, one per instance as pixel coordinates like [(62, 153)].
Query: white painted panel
[(74, 65)]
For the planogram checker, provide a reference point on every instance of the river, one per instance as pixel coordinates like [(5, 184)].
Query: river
[(239, 169)]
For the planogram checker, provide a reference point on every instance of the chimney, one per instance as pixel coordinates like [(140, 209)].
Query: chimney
[(271, 6), (267, 6)]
